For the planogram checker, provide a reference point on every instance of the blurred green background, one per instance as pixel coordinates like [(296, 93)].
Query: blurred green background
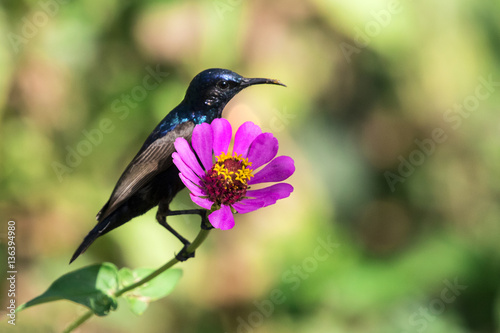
[(391, 114)]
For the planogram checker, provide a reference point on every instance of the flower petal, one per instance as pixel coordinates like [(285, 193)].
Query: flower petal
[(184, 169), (277, 170), (263, 149), (196, 190), (187, 156), (244, 136), (222, 132), (263, 197), (272, 193), (248, 205), (202, 143), (222, 218), (202, 202)]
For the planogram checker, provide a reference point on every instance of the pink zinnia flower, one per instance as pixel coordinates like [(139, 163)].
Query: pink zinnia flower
[(223, 186)]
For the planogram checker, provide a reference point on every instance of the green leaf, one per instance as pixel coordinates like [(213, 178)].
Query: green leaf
[(136, 305), (159, 287), (91, 286)]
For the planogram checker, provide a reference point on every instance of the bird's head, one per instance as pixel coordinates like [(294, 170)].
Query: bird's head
[(213, 88)]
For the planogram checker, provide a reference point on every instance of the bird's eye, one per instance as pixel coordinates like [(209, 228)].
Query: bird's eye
[(223, 85)]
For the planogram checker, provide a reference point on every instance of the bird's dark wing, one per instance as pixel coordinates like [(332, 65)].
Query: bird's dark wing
[(157, 157)]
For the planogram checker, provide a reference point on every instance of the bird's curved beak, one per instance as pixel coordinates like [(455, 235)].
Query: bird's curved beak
[(252, 81)]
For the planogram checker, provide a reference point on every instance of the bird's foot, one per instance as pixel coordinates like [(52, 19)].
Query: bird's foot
[(183, 254), (205, 225)]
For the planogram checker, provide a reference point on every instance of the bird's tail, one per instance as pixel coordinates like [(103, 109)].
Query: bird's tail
[(100, 229)]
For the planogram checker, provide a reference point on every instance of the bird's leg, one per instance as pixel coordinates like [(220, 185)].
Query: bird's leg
[(183, 255), (161, 217), (205, 224)]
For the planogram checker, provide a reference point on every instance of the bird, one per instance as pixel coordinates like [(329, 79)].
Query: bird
[(151, 179)]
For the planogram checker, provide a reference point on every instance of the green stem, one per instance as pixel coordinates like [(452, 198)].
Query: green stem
[(200, 238), (86, 316)]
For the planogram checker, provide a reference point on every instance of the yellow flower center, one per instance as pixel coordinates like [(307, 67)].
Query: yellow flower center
[(233, 167), (226, 182)]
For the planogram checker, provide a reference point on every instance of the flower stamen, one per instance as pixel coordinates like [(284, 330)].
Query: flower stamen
[(226, 182)]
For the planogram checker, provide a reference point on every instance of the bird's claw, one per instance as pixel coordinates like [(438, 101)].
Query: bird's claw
[(183, 254), (206, 226)]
